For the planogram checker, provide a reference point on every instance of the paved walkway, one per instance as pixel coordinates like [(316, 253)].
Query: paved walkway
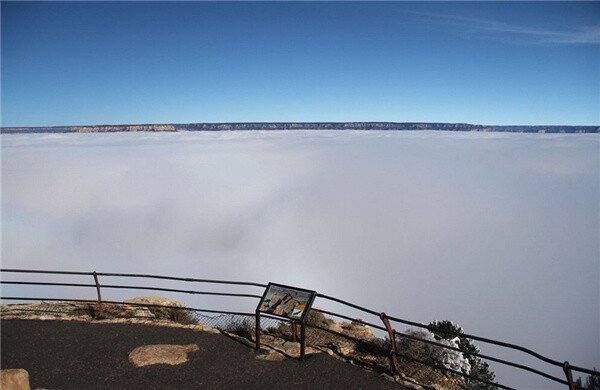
[(76, 355)]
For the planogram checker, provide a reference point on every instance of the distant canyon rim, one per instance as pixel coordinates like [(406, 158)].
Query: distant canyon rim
[(400, 126)]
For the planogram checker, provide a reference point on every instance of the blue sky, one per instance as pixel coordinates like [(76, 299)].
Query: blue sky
[(76, 63)]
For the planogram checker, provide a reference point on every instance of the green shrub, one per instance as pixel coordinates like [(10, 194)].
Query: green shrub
[(83, 311), (479, 369), (243, 327), (591, 383), (317, 319), (182, 316)]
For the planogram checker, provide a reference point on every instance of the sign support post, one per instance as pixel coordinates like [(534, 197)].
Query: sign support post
[(302, 339)]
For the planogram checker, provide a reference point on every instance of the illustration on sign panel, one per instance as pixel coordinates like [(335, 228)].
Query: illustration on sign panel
[(285, 301)]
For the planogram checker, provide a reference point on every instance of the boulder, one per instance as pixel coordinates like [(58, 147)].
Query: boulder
[(143, 313), (154, 311), (14, 379), (161, 354), (272, 356), (336, 327), (153, 301), (283, 347), (171, 313)]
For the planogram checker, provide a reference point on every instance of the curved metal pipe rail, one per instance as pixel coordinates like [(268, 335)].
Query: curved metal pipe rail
[(474, 337), (132, 288), (29, 271)]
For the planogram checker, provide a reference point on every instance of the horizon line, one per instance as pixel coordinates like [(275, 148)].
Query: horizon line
[(294, 122)]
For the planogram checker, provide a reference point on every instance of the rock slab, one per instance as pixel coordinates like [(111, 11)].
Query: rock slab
[(14, 379), (153, 301), (272, 356), (161, 354)]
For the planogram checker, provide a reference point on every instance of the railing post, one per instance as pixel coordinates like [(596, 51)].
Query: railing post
[(393, 359), (569, 374), (257, 331), (100, 312)]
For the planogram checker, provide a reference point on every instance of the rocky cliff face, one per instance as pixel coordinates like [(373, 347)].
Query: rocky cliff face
[(302, 126), (329, 126), (109, 129), (87, 129)]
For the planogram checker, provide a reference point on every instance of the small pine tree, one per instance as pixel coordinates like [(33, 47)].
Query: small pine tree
[(479, 369), (592, 382)]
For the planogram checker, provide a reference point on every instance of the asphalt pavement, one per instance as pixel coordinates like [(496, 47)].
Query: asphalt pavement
[(79, 355)]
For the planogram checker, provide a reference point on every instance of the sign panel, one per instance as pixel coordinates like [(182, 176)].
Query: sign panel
[(286, 301)]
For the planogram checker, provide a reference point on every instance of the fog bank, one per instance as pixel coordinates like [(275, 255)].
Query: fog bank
[(498, 232)]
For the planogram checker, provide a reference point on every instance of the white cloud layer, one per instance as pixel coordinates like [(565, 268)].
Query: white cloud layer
[(499, 232)]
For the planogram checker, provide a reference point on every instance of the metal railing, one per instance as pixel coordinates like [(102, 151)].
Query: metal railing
[(566, 366), (390, 348)]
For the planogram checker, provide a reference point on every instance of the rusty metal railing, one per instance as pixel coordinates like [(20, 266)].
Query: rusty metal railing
[(393, 352), (98, 287), (566, 366)]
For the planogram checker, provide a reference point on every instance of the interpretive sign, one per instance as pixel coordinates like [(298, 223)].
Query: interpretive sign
[(285, 301), (291, 303)]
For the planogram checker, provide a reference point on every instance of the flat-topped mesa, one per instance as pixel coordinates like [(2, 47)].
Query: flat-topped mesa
[(88, 129), (110, 129), (396, 126), (330, 126)]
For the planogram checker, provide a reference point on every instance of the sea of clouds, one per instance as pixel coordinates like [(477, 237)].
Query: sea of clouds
[(498, 232)]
